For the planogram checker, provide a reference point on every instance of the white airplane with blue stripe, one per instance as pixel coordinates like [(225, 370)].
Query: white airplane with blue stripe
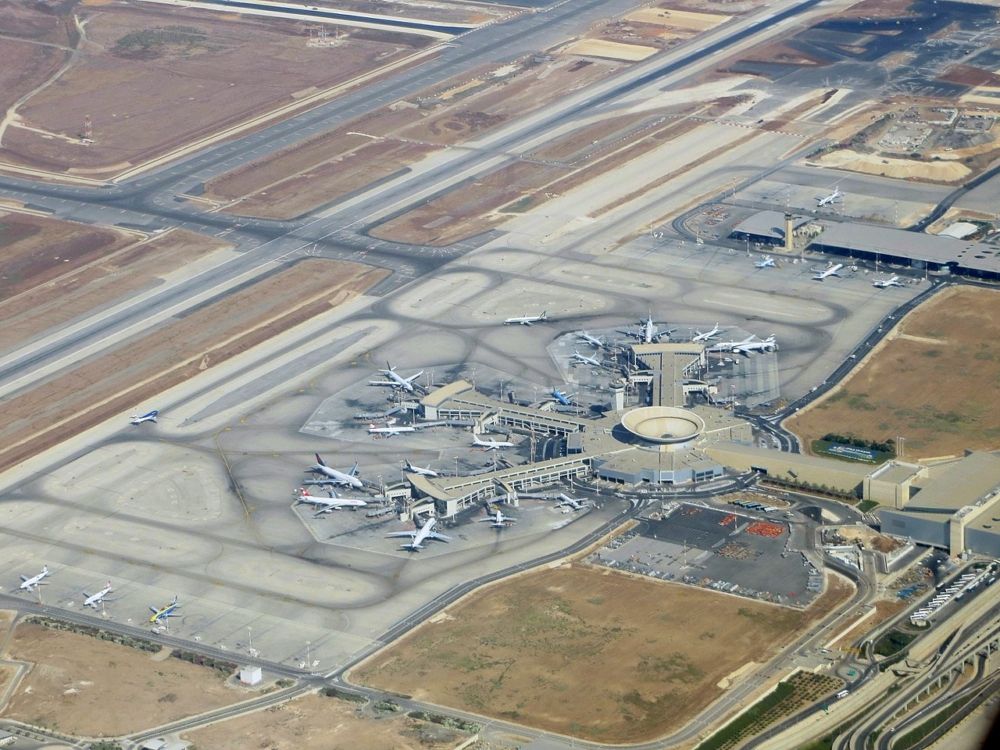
[(149, 416)]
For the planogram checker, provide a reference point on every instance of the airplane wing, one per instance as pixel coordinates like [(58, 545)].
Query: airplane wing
[(24, 578), (439, 537), (410, 534), (381, 382)]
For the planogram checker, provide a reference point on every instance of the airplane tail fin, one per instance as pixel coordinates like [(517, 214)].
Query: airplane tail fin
[(45, 569), (154, 414), (174, 602), (354, 469), (544, 315), (319, 460)]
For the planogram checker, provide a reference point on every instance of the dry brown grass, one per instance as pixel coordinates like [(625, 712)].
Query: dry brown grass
[(934, 382), (85, 686), (588, 652), (318, 723)]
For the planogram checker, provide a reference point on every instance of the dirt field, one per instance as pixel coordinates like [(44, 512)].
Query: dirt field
[(933, 381), (609, 50), (85, 686), (588, 652), (681, 19), (35, 250), (906, 169), (322, 170), (82, 288), (153, 78), (319, 723), (140, 368)]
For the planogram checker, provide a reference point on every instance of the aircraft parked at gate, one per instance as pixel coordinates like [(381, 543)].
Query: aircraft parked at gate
[(491, 444), (389, 431), (396, 380), (584, 359), (31, 584), (418, 536), (570, 503), (165, 613), (419, 470), (564, 399), (149, 416), (333, 476), (649, 332), (747, 345), (592, 340), (832, 270), (497, 519), (92, 600), (886, 283), (699, 336), (327, 504), (527, 320)]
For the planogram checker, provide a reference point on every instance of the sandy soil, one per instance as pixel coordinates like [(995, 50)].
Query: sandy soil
[(326, 168), (82, 685), (319, 723), (149, 88), (6, 618), (933, 381), (906, 169), (140, 368), (584, 651), (80, 289), (432, 10), (34, 250), (608, 49), (681, 19)]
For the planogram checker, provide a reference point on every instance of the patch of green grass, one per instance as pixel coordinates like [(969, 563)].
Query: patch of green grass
[(893, 642), (866, 505), (149, 44)]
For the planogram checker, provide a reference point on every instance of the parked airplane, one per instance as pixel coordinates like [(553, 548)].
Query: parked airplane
[(831, 270), (886, 283), (418, 536), (327, 504), (564, 399), (491, 444), (825, 200), (498, 520), (747, 345), (396, 380), (419, 470), (766, 261), (93, 600), (390, 430), (164, 613), (333, 476), (584, 359), (31, 584), (592, 340), (149, 416), (570, 503), (527, 320), (707, 334)]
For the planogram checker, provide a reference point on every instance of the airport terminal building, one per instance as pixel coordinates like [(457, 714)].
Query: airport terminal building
[(935, 253)]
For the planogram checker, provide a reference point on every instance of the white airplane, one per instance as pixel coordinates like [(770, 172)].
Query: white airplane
[(31, 584), (570, 503), (327, 504), (649, 333), (418, 536), (396, 380), (831, 270), (747, 345), (491, 444), (149, 416), (699, 336), (825, 200), (766, 261), (389, 431), (498, 520), (592, 340), (333, 476), (419, 470), (527, 320), (886, 283), (584, 359), (165, 613), (93, 600)]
